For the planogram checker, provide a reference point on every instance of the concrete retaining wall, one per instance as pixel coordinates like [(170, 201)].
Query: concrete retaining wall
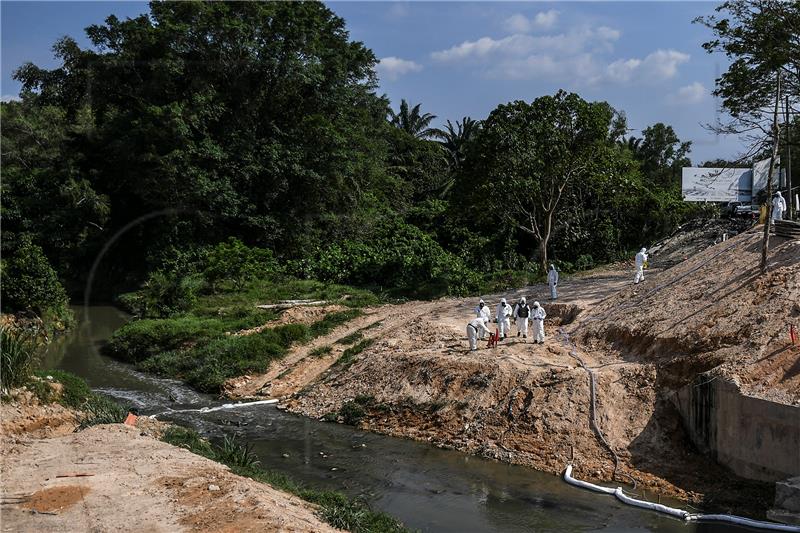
[(755, 438)]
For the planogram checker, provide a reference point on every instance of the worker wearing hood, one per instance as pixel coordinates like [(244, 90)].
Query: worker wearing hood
[(483, 311), (778, 206), (552, 280), (641, 260), (522, 312), (503, 316), (537, 317), (477, 327)]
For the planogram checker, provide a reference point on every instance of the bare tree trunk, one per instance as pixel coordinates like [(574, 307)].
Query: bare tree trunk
[(775, 143), (548, 226)]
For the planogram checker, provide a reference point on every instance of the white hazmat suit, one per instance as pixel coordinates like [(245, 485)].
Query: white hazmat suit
[(641, 259), (778, 206), (552, 280), (521, 314), (475, 328), (483, 311), (537, 316), (503, 316)]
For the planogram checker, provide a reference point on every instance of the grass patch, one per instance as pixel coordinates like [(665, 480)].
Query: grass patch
[(76, 394), (349, 354), (351, 339), (321, 351), (335, 508), (333, 320)]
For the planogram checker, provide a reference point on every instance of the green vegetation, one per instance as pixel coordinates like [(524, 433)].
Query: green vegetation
[(349, 354), (353, 338), (335, 508), (198, 344), (28, 282), (321, 351), (18, 357)]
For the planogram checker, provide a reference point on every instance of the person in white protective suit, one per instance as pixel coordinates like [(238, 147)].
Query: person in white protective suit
[(503, 317), (475, 328), (778, 206), (522, 312), (552, 280), (483, 311), (537, 317), (641, 259)]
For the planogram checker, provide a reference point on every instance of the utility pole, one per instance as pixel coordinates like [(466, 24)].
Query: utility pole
[(788, 164)]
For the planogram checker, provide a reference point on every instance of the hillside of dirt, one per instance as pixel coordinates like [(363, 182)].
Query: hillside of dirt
[(714, 310), (405, 370), (120, 478)]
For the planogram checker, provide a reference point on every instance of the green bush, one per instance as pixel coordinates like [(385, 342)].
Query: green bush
[(28, 282), (19, 352), (164, 294), (352, 413), (98, 409), (346, 359), (399, 257), (76, 394), (233, 261), (141, 339)]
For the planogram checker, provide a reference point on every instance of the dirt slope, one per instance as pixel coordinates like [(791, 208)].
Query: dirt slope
[(131, 482), (714, 309)]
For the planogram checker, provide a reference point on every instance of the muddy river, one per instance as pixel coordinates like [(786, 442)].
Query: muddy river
[(428, 488)]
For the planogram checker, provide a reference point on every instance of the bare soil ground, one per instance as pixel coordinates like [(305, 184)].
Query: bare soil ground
[(529, 404), (119, 478)]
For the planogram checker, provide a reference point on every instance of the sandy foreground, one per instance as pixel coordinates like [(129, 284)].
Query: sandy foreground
[(120, 478)]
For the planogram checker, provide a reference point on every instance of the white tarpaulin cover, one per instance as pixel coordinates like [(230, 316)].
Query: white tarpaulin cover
[(716, 184)]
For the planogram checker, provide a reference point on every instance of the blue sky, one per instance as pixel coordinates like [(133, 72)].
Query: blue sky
[(462, 59)]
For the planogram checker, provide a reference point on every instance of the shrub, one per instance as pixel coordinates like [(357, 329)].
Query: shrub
[(234, 452), (18, 357), (98, 409), (141, 339), (235, 262), (399, 256), (164, 294), (352, 413), (351, 339), (28, 282)]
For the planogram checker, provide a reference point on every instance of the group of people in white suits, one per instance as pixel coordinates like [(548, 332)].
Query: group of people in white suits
[(521, 313)]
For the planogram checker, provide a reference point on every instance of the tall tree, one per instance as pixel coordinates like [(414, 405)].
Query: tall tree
[(661, 154), (412, 120), (527, 155), (762, 37), (255, 119), (454, 139)]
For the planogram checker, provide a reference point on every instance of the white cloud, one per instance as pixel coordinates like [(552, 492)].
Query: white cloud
[(544, 20), (690, 94), (658, 66), (574, 42), (394, 67), (10, 98)]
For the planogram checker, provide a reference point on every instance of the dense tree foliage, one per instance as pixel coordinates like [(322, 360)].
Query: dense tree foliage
[(259, 122)]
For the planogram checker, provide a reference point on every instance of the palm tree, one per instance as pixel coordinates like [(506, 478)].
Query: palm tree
[(454, 139), (412, 122)]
